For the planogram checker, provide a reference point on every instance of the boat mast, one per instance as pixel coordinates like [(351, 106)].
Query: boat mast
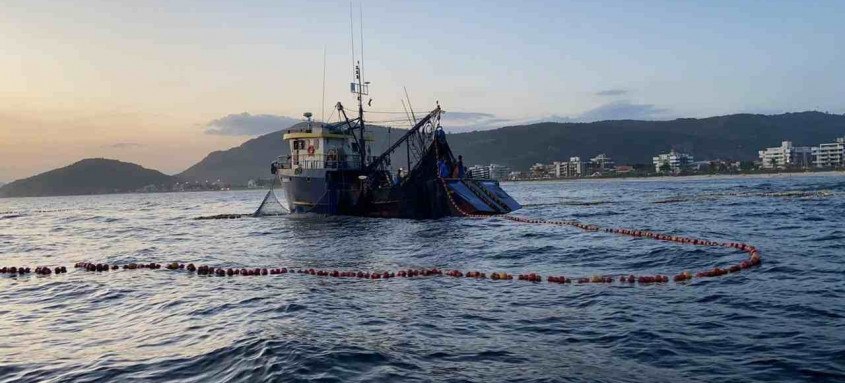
[(358, 86), (360, 91)]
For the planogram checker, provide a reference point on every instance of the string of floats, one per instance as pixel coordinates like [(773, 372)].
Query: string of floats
[(205, 270)]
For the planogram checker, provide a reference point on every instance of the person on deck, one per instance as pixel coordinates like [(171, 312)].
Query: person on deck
[(440, 134), (458, 168), (443, 169)]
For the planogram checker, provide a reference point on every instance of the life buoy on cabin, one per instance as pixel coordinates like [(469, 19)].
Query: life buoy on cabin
[(311, 150)]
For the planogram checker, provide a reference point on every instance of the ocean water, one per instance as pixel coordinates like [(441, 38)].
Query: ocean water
[(782, 321)]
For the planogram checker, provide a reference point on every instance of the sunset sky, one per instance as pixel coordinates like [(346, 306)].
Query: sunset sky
[(163, 83)]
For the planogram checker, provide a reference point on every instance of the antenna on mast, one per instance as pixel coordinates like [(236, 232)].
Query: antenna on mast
[(323, 101), (352, 36), (361, 28), (358, 86)]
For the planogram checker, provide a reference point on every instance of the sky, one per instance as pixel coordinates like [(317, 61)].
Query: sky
[(163, 83)]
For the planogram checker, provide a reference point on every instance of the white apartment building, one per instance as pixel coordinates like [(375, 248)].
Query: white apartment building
[(574, 168), (559, 168), (499, 172), (479, 171), (830, 155), (675, 161), (785, 155), (601, 162)]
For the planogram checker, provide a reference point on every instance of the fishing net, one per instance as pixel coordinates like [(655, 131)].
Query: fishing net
[(270, 205)]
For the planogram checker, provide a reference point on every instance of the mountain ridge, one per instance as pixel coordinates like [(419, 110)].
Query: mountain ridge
[(87, 176), (735, 137)]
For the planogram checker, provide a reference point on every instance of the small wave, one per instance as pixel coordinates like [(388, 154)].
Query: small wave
[(606, 213)]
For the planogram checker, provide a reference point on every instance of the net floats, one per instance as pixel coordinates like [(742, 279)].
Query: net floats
[(530, 277), (14, 270), (204, 270), (753, 260), (44, 270)]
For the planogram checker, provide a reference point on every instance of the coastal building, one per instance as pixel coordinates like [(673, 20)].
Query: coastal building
[(492, 171), (575, 168), (499, 172), (830, 155), (672, 162), (785, 155), (478, 171), (559, 168), (538, 170), (601, 163)]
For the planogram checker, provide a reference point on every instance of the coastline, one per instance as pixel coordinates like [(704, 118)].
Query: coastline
[(693, 177)]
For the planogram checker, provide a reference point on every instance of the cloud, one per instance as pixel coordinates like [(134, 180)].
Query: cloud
[(611, 92), (124, 145), (551, 118), (469, 121), (618, 110), (246, 124), (623, 110)]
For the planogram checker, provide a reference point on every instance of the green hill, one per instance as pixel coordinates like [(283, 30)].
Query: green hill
[(736, 137), (89, 176)]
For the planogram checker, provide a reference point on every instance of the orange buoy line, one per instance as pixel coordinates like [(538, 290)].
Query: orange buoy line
[(34, 211), (753, 253), (204, 270)]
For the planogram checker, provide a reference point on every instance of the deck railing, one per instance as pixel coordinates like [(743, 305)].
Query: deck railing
[(321, 161)]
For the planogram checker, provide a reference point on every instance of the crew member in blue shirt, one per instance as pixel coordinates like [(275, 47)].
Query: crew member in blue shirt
[(443, 169)]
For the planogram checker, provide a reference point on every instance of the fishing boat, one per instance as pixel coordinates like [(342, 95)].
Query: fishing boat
[(332, 170)]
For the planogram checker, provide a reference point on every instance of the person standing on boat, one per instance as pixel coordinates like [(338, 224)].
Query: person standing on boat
[(459, 168), (442, 168)]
